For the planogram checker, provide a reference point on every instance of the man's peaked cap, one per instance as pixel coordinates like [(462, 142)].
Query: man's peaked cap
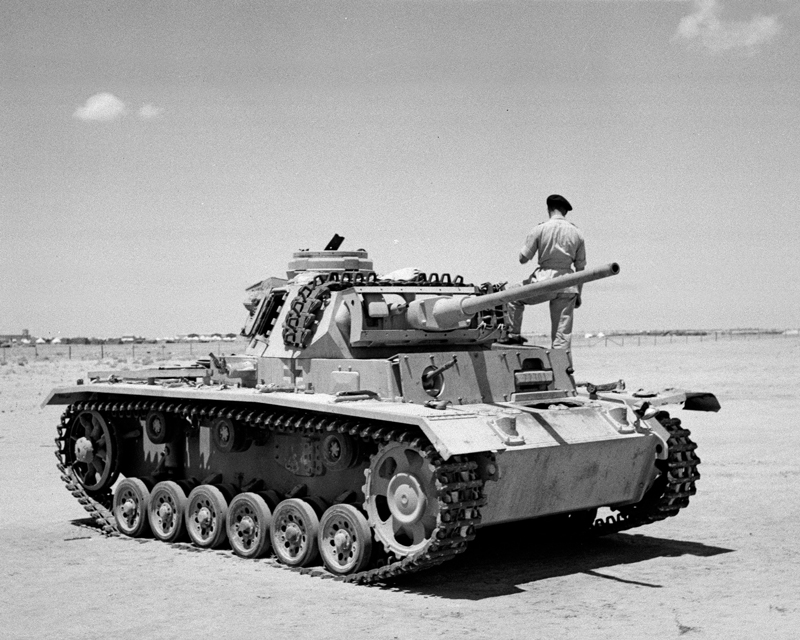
[(558, 202)]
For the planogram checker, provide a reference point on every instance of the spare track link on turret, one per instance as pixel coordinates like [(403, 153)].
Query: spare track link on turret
[(671, 491), (312, 297), (459, 490)]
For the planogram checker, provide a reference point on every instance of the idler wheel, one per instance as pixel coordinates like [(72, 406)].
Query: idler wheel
[(206, 512), (168, 503), (345, 539), (249, 518), (400, 499), (92, 451), (229, 436), (159, 430), (294, 531), (131, 500)]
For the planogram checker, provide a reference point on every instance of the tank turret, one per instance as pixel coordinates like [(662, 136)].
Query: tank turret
[(335, 306)]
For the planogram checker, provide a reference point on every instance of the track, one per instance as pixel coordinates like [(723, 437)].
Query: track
[(459, 491), (671, 491)]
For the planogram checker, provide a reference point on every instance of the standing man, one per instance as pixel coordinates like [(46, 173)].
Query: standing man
[(560, 246)]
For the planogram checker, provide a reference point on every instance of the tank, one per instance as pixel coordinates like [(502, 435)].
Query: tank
[(371, 428)]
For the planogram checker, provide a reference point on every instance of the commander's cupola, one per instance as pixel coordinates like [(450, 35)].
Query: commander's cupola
[(330, 259)]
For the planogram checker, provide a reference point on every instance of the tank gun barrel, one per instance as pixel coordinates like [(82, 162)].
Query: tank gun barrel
[(447, 312), (471, 306)]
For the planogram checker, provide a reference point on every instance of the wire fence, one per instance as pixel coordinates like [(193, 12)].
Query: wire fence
[(145, 354), (640, 340), (141, 353)]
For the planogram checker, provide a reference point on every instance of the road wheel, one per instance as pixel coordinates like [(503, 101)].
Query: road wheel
[(294, 531), (206, 512), (166, 512), (248, 525), (131, 500), (345, 539)]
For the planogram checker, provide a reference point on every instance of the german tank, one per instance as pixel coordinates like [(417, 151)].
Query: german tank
[(370, 428)]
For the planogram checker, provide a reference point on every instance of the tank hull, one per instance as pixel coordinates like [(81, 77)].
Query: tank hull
[(561, 460)]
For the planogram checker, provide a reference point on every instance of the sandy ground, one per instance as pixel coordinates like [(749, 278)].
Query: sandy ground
[(726, 567)]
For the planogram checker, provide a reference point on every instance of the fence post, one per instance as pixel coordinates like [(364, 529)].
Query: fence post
[(69, 351), (133, 351), (638, 341)]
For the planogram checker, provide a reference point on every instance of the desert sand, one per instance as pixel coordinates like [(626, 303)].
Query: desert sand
[(728, 566)]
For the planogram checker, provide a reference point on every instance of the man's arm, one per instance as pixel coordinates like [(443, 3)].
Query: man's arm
[(530, 247), (580, 265)]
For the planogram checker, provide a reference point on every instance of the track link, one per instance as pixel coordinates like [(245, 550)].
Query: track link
[(459, 490)]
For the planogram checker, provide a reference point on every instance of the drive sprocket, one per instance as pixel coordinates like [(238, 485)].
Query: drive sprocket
[(401, 498)]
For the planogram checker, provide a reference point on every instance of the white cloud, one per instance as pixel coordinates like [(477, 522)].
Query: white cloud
[(150, 111), (103, 107), (705, 28)]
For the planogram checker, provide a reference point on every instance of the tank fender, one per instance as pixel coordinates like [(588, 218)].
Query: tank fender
[(701, 401), (461, 433), (451, 430), (691, 400), (58, 396)]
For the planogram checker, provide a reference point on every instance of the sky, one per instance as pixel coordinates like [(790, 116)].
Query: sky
[(159, 157)]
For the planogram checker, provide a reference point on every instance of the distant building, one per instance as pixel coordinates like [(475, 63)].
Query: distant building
[(16, 337)]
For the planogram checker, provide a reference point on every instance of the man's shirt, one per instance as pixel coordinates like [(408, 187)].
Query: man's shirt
[(560, 246)]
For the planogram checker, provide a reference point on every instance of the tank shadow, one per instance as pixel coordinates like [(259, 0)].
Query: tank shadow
[(86, 523), (503, 557)]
